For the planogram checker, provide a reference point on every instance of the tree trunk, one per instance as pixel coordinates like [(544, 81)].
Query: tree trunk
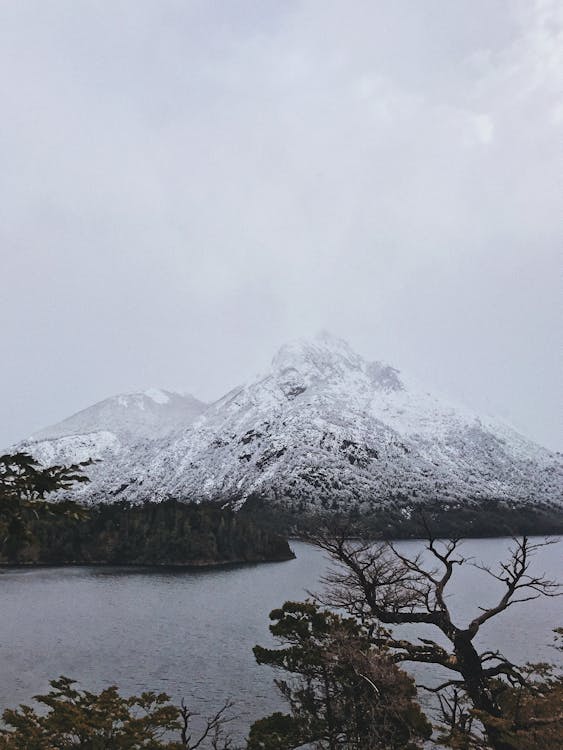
[(476, 686)]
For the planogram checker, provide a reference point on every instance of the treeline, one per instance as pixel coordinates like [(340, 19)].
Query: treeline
[(166, 533), (481, 518), (394, 519)]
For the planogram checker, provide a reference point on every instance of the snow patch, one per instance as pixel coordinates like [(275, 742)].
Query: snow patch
[(158, 396)]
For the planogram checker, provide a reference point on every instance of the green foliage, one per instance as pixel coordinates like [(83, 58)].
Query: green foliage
[(73, 719), (22, 477), (532, 714), (342, 692), (279, 732), (24, 485), (80, 719)]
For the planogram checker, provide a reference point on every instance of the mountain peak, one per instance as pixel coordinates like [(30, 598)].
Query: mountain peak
[(327, 358), (330, 341), (148, 414), (317, 352)]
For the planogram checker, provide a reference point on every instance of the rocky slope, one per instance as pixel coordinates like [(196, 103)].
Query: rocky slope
[(321, 429)]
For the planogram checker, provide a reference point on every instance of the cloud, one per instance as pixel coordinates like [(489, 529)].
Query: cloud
[(186, 185), (484, 128)]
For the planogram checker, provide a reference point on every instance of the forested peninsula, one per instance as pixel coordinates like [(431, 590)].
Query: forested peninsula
[(166, 533)]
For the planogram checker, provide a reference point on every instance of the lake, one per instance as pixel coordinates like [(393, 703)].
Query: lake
[(190, 633)]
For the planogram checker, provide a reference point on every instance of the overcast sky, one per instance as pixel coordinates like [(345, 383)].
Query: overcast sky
[(187, 184)]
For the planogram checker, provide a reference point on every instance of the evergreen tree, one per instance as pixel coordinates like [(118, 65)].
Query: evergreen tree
[(24, 486), (342, 692)]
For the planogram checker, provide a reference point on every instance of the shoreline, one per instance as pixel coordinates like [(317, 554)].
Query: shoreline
[(193, 565)]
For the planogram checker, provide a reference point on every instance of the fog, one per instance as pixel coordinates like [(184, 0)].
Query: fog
[(185, 185)]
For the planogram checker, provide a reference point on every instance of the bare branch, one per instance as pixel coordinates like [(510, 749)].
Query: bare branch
[(442, 686), (213, 729), (514, 575)]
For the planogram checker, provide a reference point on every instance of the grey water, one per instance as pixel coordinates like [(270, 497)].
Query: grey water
[(190, 633)]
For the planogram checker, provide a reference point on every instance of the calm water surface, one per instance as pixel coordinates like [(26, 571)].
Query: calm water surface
[(191, 633)]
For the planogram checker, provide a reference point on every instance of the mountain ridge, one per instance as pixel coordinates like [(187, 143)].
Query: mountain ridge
[(145, 413), (321, 429)]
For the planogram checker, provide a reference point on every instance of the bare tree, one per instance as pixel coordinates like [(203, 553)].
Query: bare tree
[(380, 586), (213, 734)]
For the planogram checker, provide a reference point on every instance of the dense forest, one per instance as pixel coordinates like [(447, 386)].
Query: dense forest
[(167, 533), (395, 519)]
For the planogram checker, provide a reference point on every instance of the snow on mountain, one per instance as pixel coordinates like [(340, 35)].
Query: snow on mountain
[(114, 426), (323, 428)]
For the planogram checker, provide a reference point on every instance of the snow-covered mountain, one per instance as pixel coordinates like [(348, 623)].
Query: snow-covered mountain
[(323, 428), (115, 425)]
